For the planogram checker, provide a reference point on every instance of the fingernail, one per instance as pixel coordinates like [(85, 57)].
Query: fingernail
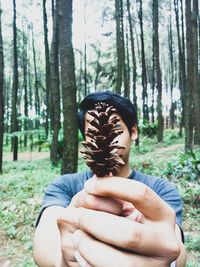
[(81, 261), (76, 238)]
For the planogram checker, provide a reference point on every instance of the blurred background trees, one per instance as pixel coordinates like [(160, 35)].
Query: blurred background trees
[(55, 52)]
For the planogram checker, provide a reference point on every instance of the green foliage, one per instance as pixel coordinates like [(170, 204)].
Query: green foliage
[(172, 136), (187, 167), (21, 190), (149, 129), (193, 243)]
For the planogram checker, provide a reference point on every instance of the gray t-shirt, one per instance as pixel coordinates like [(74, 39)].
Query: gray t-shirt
[(61, 191)]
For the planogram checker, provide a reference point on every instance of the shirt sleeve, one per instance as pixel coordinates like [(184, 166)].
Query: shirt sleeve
[(58, 193), (169, 194)]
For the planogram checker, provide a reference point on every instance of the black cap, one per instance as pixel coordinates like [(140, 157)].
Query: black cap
[(123, 106)]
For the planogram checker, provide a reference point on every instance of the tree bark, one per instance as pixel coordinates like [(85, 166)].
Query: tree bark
[(70, 154), (158, 71), (1, 97), (196, 91), (144, 72), (134, 74), (181, 57), (189, 82), (55, 88), (123, 52), (98, 67), (47, 69), (119, 47), (37, 97), (171, 73), (14, 114), (25, 86), (85, 53)]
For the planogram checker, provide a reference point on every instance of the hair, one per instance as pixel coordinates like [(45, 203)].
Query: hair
[(123, 106)]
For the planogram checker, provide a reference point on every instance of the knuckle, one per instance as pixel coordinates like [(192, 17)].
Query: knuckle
[(145, 194), (90, 201), (134, 239), (172, 250)]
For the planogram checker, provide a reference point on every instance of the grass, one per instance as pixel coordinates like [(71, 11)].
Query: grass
[(23, 184)]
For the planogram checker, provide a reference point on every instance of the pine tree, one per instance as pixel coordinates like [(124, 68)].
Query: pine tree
[(101, 150)]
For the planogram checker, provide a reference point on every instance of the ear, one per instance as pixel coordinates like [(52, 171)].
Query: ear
[(134, 133)]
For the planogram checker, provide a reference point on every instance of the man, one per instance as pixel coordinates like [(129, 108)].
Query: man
[(130, 219)]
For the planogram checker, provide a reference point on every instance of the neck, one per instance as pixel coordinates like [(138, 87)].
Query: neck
[(125, 171)]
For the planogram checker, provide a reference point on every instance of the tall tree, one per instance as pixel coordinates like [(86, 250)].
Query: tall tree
[(119, 46), (14, 114), (85, 50), (1, 95), (37, 96), (171, 72), (47, 68), (123, 52), (196, 91), (144, 72), (25, 82), (68, 82), (181, 57), (133, 57), (158, 71), (55, 86), (189, 82)]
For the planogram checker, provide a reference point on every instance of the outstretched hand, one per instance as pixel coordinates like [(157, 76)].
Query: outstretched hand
[(106, 238)]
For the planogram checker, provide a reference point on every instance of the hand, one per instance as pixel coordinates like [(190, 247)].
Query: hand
[(111, 240), (81, 199)]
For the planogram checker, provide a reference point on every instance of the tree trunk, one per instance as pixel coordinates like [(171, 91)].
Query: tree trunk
[(171, 74), (47, 69), (181, 56), (25, 86), (134, 74), (158, 72), (144, 73), (1, 97), (70, 154), (85, 53), (37, 98), (55, 88), (98, 67), (14, 120), (127, 87), (119, 47), (189, 82), (196, 91), (123, 52)]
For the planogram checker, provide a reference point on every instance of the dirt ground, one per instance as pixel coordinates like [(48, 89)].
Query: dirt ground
[(27, 155)]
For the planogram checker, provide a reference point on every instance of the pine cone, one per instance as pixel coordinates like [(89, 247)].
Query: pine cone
[(101, 152)]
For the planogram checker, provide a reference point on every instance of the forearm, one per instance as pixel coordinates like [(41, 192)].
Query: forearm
[(47, 242)]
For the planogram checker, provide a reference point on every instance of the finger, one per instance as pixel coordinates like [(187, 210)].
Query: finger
[(100, 254), (156, 240), (67, 244), (140, 195), (82, 262), (107, 204)]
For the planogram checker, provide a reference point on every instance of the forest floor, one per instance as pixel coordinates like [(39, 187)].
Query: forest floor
[(22, 187)]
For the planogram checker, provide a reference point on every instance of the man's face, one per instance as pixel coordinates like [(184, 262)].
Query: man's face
[(123, 139)]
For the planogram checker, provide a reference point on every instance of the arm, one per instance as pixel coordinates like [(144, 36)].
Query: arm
[(53, 238), (47, 242)]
